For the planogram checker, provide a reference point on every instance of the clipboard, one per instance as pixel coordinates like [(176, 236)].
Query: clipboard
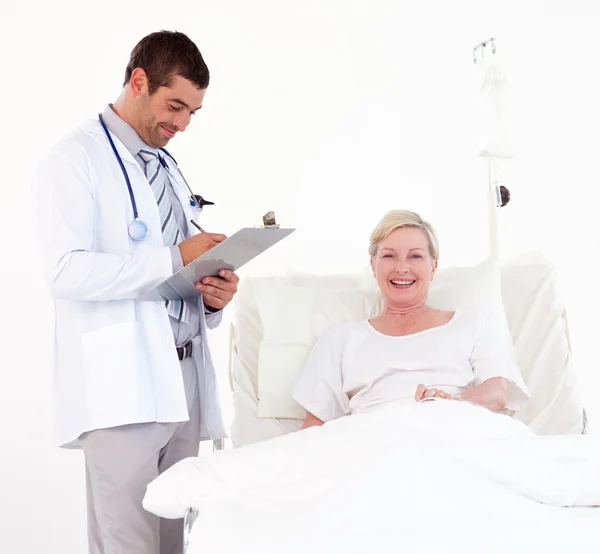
[(232, 253)]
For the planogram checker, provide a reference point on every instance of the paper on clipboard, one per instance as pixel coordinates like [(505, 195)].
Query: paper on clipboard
[(232, 253)]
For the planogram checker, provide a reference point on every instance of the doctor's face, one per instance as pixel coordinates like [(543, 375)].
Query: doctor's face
[(168, 111), (404, 268)]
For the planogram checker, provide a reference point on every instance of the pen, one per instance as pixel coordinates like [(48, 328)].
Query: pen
[(196, 225)]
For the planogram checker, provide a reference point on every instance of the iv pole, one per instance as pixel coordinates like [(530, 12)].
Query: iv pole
[(498, 195)]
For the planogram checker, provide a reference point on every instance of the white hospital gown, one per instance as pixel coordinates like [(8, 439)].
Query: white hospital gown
[(355, 368)]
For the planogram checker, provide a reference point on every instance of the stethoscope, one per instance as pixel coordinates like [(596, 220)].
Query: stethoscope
[(138, 230)]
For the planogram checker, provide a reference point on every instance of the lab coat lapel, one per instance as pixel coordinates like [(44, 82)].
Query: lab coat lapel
[(144, 197)]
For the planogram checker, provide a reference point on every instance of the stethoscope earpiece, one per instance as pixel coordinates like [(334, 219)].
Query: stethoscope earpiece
[(197, 200)]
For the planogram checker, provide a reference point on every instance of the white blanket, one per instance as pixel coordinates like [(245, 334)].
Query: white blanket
[(407, 475)]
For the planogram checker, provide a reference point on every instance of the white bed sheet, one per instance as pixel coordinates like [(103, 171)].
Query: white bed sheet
[(441, 476), (495, 523)]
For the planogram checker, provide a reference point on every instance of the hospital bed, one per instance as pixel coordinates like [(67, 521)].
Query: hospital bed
[(278, 319)]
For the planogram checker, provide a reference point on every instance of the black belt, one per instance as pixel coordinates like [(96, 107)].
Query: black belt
[(185, 351)]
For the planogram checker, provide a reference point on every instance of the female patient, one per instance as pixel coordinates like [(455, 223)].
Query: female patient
[(411, 352)]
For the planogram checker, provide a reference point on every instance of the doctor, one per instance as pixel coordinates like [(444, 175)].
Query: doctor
[(134, 381)]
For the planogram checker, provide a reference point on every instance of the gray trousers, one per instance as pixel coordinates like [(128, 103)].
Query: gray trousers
[(120, 462)]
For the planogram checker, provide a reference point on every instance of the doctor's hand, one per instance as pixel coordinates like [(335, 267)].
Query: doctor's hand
[(197, 245), (218, 291)]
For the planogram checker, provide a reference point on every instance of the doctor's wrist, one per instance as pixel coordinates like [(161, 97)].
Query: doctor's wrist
[(184, 252)]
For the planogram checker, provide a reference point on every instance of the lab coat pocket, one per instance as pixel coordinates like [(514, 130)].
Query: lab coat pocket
[(111, 372)]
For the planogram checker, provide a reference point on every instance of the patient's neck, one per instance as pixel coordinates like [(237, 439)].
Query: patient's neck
[(405, 311)]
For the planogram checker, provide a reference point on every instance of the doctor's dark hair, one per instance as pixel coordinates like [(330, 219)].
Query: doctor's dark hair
[(165, 54)]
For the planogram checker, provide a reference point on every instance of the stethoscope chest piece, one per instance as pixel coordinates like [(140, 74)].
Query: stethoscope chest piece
[(138, 230)]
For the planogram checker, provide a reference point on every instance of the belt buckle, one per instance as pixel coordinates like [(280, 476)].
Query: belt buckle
[(185, 350)]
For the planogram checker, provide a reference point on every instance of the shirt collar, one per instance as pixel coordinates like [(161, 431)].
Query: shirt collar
[(124, 132)]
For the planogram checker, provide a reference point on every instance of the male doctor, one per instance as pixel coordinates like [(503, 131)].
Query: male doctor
[(134, 381)]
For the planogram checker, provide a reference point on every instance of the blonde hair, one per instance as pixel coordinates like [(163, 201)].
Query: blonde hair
[(396, 219)]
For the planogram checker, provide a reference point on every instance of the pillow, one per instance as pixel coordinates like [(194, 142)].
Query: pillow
[(474, 287), (284, 311), (294, 315), (539, 327)]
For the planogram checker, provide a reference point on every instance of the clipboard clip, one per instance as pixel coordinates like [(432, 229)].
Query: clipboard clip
[(269, 221)]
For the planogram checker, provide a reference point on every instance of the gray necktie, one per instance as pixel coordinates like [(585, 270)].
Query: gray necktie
[(172, 235)]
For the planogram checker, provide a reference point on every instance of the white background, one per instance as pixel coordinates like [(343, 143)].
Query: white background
[(328, 112)]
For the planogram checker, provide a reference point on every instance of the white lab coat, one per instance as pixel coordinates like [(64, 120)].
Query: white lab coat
[(115, 359)]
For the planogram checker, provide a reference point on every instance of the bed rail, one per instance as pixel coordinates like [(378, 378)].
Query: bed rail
[(191, 514)]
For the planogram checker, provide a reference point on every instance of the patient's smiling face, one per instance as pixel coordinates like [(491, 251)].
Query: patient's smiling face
[(404, 268)]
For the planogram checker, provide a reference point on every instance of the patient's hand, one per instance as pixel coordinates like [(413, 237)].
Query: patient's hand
[(423, 393), (490, 394), (311, 421)]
